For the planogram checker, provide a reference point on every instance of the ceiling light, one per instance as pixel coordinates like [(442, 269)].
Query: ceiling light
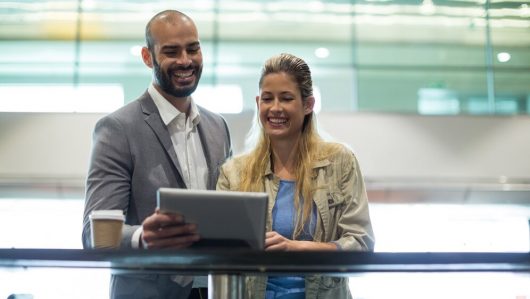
[(503, 57), (427, 7), (322, 52), (136, 51)]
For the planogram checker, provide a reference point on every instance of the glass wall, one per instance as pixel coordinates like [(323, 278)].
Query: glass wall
[(427, 57)]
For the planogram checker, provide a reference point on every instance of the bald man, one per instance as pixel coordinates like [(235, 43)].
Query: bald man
[(161, 139)]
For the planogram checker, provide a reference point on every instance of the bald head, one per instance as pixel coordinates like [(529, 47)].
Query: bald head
[(168, 17)]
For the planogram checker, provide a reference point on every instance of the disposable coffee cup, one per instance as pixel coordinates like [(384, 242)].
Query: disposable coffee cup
[(106, 226)]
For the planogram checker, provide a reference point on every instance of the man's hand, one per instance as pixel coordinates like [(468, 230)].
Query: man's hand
[(168, 230)]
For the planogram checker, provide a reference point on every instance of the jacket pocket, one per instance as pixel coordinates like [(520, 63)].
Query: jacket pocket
[(335, 200), (334, 287), (328, 282)]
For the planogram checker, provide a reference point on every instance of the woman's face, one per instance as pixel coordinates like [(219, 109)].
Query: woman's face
[(280, 106)]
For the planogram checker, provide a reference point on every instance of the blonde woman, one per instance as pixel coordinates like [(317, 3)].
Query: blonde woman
[(317, 196)]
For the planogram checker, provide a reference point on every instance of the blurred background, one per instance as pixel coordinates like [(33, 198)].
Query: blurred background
[(433, 97)]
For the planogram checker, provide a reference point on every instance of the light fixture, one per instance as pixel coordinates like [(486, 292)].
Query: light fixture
[(427, 7), (322, 52), (136, 50), (503, 57)]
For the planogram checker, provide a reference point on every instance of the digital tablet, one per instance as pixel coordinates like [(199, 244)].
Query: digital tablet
[(223, 218)]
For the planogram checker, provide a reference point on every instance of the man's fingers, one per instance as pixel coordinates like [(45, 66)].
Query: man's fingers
[(176, 230), (177, 242), (170, 235), (160, 220)]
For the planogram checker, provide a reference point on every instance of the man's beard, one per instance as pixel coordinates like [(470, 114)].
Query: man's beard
[(164, 79)]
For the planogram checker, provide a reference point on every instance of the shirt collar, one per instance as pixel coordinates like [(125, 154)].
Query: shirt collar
[(167, 111)]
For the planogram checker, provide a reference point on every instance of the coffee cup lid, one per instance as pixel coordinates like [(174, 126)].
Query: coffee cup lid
[(107, 214)]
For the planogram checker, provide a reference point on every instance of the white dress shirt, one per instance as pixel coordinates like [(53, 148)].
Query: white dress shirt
[(186, 141)]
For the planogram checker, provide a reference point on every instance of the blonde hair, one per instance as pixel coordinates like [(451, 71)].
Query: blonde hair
[(310, 145)]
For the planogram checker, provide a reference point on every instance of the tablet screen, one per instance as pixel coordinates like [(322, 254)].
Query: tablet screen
[(223, 218)]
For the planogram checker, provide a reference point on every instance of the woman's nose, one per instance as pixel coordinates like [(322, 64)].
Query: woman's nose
[(276, 105)]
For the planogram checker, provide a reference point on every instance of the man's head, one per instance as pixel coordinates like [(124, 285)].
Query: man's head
[(174, 53)]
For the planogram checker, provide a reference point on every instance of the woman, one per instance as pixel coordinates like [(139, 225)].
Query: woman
[(317, 197)]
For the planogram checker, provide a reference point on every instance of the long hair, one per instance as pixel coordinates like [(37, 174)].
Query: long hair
[(307, 149)]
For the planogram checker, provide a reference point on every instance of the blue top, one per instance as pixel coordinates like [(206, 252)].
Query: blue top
[(283, 221)]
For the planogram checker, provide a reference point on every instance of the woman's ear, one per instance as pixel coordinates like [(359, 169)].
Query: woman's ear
[(146, 57), (309, 103), (257, 102)]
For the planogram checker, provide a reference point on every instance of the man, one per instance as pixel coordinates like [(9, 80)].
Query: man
[(162, 139)]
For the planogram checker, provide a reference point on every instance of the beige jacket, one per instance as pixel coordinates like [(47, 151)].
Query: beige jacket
[(342, 218)]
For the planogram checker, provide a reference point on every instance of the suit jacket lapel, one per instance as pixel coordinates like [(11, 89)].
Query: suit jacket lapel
[(152, 118)]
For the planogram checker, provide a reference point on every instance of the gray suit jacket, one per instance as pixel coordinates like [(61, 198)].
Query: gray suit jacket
[(133, 156)]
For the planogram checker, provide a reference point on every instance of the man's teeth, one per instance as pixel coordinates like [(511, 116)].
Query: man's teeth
[(183, 75)]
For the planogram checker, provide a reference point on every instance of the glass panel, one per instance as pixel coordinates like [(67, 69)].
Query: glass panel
[(444, 227), (66, 283), (114, 62), (34, 61), (57, 283), (419, 56), (484, 285), (510, 40), (319, 32), (415, 86), (433, 42)]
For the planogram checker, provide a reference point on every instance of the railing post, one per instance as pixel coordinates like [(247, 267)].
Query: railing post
[(225, 286)]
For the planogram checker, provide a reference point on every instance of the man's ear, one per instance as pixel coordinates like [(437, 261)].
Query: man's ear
[(309, 103), (146, 57)]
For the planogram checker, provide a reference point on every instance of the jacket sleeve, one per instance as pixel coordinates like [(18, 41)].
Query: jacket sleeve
[(354, 224), (108, 184)]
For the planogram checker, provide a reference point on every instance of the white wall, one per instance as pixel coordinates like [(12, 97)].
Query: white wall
[(57, 145), (395, 145), (45, 145)]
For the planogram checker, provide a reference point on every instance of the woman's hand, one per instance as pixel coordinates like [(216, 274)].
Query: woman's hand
[(276, 242)]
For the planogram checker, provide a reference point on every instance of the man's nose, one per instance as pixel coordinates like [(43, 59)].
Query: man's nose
[(184, 59)]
